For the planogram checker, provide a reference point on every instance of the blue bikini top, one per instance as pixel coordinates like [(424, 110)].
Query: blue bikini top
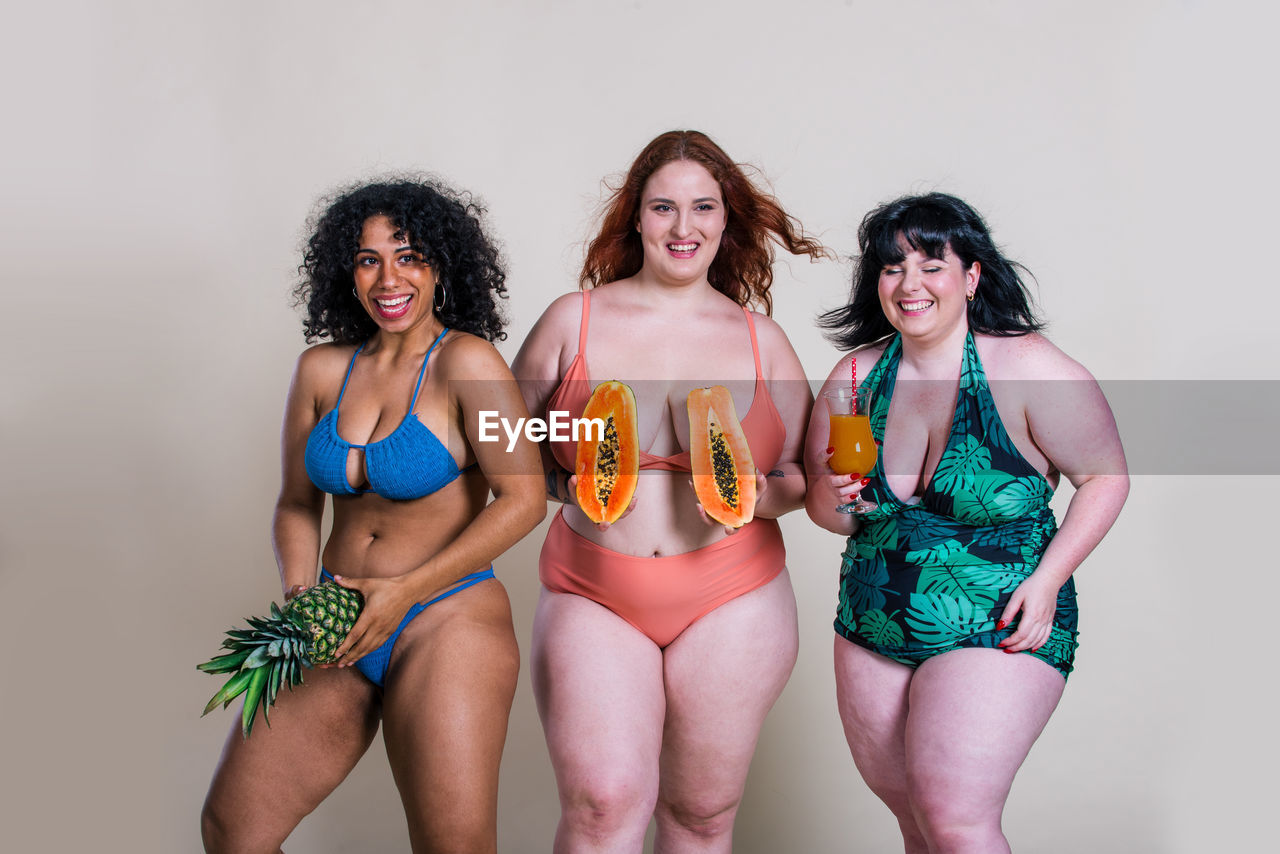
[(410, 463)]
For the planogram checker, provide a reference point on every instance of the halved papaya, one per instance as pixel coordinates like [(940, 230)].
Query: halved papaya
[(609, 469), (724, 476)]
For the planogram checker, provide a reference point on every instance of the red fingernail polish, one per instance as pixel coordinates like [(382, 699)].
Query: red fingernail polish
[(831, 449), (1009, 651), (855, 476), (1002, 624), (865, 481)]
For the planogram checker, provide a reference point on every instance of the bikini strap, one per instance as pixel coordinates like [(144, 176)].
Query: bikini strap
[(755, 345), (972, 375), (422, 372), (586, 318), (351, 365)]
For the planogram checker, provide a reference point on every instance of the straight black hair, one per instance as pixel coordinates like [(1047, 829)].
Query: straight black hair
[(930, 224)]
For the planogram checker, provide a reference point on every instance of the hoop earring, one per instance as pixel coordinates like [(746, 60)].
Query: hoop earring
[(971, 293), (445, 299), (353, 292)]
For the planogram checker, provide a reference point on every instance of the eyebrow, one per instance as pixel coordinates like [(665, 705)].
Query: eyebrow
[(695, 201), (364, 249)]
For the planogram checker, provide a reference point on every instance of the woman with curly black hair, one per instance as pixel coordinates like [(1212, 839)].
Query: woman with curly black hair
[(385, 418)]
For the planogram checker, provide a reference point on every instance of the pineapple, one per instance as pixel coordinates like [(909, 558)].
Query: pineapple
[(273, 651)]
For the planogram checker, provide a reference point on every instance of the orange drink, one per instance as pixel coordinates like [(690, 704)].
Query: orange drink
[(855, 447)]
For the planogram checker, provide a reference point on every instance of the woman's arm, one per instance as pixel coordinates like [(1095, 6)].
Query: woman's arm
[(481, 382), (514, 475), (295, 526), (1072, 424), (782, 489), (537, 368), (828, 490)]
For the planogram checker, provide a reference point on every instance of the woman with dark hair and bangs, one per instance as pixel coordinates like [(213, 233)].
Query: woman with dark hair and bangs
[(662, 641), (402, 279), (956, 625)]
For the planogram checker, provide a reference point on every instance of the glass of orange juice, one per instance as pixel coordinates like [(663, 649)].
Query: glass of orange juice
[(851, 437)]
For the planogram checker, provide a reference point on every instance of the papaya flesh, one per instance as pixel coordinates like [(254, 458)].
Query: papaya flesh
[(609, 468), (724, 475)]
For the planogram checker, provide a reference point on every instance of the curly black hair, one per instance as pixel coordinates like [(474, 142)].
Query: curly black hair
[(441, 223), (931, 223)]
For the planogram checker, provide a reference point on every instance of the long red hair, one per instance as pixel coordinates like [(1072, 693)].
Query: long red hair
[(743, 266)]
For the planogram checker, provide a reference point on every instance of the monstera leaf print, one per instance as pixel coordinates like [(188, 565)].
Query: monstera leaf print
[(970, 369), (989, 417), (879, 416), (996, 497), (879, 534), (950, 570), (1001, 538), (1067, 607), (936, 619), (1032, 546), (919, 529), (1060, 646), (944, 552), (961, 462), (878, 628), (861, 581), (882, 376), (1004, 578), (959, 583)]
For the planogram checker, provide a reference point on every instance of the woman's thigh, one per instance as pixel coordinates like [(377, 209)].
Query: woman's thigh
[(599, 686), (723, 675), (872, 696), (975, 713), (448, 695), (266, 783)]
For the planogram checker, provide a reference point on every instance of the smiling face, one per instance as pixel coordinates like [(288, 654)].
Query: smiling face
[(682, 217), (392, 281), (925, 297)]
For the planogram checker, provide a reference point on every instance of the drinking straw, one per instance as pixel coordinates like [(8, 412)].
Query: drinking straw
[(855, 383)]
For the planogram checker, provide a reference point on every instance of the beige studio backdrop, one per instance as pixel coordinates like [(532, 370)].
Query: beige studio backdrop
[(160, 158)]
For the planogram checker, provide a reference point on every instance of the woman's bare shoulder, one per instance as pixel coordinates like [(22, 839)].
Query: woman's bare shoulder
[(1027, 357), (769, 331), (464, 356), (561, 317), (866, 354), (319, 361)]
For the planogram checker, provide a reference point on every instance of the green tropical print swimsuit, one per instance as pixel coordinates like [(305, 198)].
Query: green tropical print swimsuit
[(925, 578)]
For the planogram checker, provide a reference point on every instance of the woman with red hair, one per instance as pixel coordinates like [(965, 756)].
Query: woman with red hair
[(661, 641)]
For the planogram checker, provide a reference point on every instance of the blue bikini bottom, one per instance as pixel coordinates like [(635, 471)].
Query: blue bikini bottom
[(374, 665)]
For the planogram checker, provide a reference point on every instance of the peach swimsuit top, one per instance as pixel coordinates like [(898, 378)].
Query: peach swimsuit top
[(762, 426)]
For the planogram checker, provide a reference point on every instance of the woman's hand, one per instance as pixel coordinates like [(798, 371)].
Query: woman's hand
[(844, 488), (570, 494), (1036, 598), (600, 526), (385, 605), (762, 485)]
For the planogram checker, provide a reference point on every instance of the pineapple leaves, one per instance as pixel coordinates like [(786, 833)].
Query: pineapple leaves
[(224, 663), (252, 696), (273, 650), (233, 688), (260, 656)]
